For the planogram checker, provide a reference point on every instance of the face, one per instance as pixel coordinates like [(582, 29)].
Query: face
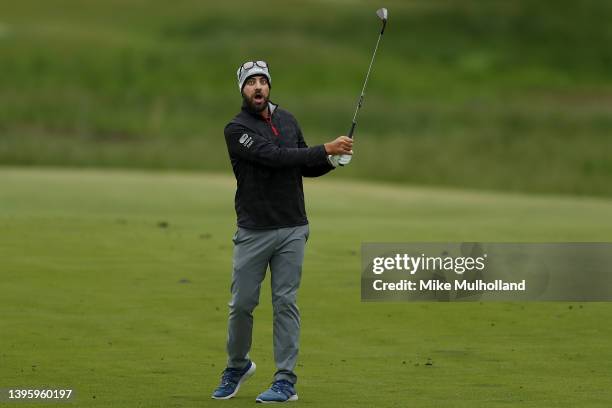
[(256, 92)]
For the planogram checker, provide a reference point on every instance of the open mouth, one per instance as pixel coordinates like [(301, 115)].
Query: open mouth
[(258, 98)]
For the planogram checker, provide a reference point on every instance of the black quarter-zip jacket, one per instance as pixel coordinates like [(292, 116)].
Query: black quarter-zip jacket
[(269, 158)]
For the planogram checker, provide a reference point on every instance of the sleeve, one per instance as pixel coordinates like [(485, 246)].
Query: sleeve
[(248, 145), (312, 171)]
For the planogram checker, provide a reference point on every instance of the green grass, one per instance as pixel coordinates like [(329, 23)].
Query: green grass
[(516, 95), (92, 297)]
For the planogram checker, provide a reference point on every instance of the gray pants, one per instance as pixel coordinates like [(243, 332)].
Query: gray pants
[(254, 250)]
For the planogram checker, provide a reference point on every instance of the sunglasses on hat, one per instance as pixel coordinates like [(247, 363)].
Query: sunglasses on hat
[(251, 64)]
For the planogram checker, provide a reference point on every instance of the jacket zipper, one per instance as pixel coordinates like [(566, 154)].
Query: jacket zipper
[(274, 130)]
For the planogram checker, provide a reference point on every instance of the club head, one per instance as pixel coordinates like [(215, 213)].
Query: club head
[(382, 13)]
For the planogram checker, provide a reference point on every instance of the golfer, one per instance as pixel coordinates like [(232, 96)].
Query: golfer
[(269, 157)]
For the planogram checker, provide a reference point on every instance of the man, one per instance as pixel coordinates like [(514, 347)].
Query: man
[(269, 157)]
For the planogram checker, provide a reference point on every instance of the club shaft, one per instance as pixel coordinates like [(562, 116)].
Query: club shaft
[(365, 84), (382, 14)]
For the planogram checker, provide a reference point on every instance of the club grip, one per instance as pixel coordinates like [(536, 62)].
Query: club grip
[(350, 133), (346, 158)]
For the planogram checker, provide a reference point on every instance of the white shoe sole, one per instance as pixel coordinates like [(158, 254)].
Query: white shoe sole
[(291, 398), (245, 377)]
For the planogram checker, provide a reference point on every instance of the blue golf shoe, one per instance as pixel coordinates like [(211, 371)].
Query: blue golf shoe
[(231, 380), (280, 391)]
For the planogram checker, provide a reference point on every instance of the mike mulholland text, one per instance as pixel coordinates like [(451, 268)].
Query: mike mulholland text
[(437, 285)]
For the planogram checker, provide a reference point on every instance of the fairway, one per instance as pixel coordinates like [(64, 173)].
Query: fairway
[(116, 283)]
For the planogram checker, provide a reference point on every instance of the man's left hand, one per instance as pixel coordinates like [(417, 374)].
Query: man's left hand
[(334, 160)]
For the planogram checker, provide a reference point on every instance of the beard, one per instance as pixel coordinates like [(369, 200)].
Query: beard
[(256, 106)]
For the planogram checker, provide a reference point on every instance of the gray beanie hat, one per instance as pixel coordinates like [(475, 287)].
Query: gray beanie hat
[(250, 68)]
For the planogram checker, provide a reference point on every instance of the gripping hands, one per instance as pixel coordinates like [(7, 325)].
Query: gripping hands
[(339, 151)]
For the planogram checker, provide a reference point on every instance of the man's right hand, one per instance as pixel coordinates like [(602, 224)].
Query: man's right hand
[(342, 145)]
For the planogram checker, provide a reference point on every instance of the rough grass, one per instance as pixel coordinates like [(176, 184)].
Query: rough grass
[(483, 94)]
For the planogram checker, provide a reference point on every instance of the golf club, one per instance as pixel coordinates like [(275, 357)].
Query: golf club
[(383, 14)]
